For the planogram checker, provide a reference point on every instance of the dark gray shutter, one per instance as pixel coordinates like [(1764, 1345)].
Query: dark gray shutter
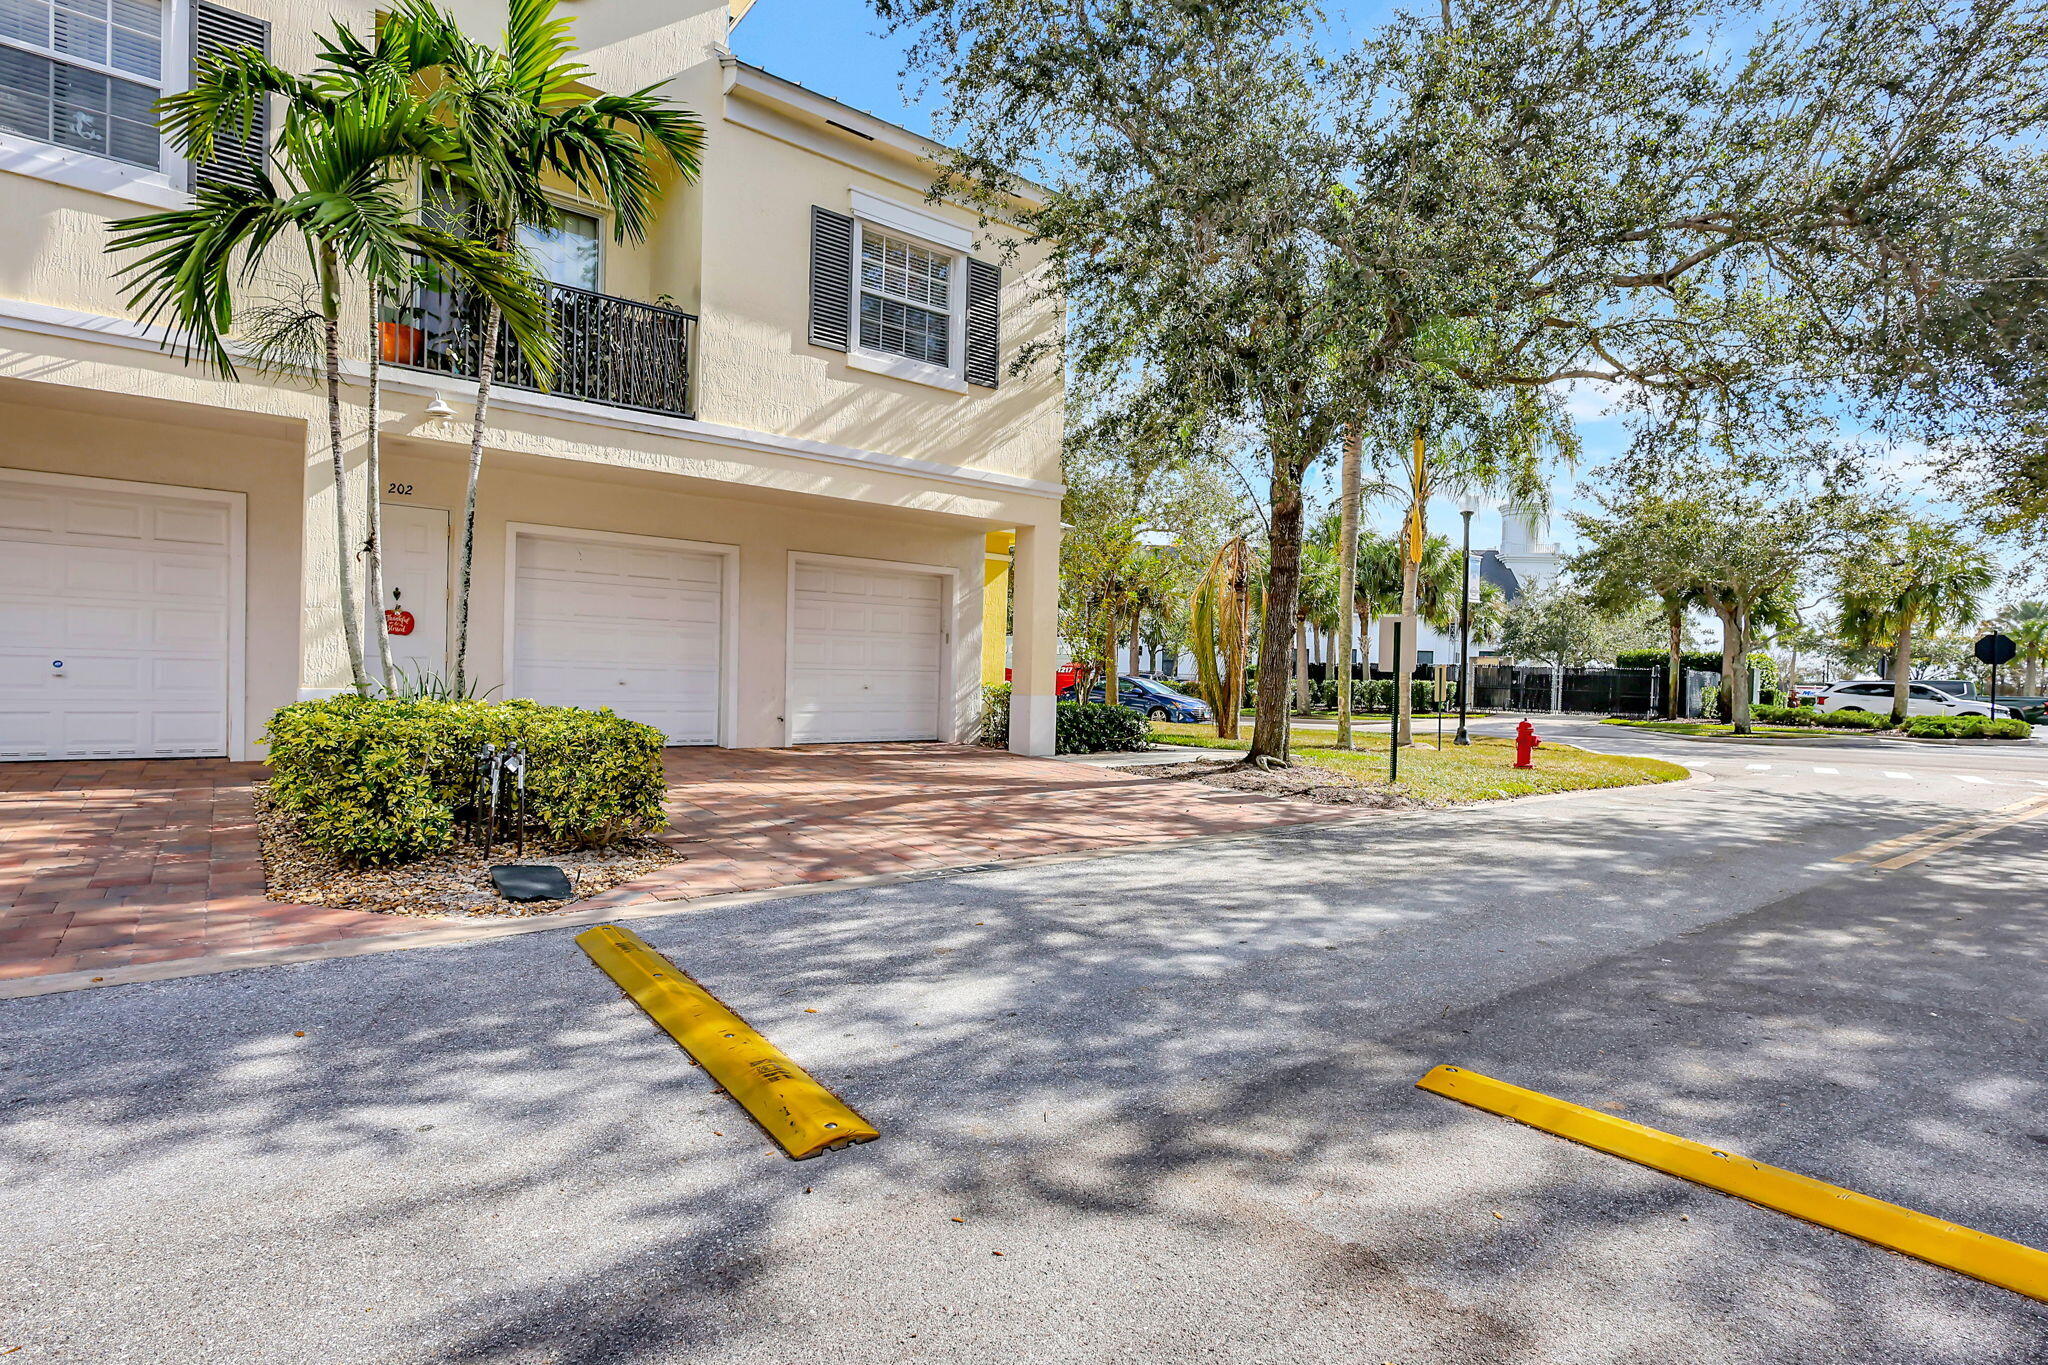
[(236, 161), (984, 323), (831, 279)]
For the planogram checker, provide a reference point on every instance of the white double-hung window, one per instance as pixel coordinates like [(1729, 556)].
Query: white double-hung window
[(84, 75), (906, 299)]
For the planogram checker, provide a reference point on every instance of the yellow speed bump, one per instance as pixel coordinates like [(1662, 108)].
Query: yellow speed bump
[(1991, 1259), (796, 1111)]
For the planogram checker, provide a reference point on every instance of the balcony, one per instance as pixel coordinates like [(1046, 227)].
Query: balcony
[(619, 352)]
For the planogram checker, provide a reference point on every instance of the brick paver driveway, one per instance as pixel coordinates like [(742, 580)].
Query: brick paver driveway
[(105, 866)]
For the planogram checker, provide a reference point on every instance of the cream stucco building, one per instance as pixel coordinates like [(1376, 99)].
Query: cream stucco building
[(759, 508)]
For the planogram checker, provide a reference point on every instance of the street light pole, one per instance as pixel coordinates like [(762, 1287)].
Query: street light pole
[(1465, 631)]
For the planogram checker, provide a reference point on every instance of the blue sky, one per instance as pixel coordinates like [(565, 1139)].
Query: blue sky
[(836, 48)]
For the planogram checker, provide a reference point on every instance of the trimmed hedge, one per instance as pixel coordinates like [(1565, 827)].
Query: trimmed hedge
[(376, 781), (1965, 727), (1080, 727), (1698, 660), (1096, 727)]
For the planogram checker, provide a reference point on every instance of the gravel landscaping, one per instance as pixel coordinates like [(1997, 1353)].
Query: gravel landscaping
[(451, 885)]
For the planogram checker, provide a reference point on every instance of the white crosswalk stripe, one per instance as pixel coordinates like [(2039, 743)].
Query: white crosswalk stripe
[(1832, 772), (1759, 767), (1902, 777), (1971, 777)]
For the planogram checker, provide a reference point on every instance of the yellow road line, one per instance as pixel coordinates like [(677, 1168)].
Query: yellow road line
[(795, 1110), (1875, 853), (1967, 836), (1994, 1260)]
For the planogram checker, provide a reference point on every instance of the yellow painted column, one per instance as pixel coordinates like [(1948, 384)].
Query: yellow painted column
[(995, 605)]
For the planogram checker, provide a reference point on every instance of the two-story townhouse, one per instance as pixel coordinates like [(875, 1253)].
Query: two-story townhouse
[(757, 507)]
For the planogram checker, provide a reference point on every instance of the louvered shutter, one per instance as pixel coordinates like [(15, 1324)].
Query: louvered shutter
[(984, 323), (831, 279), (236, 161)]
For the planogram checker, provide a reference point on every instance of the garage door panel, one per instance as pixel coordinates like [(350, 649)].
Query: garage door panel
[(192, 525), (634, 628), (121, 518), (134, 593), (866, 654)]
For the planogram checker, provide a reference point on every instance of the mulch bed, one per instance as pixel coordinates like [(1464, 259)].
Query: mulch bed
[(451, 885), (1304, 781)]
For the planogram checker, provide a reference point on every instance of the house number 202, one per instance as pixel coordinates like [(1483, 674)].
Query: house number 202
[(404, 490)]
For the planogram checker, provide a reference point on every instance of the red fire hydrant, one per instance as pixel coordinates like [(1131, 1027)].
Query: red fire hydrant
[(1526, 745)]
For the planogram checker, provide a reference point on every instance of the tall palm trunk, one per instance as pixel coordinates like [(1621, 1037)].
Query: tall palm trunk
[(1902, 668), (1270, 727), (1674, 662), (373, 474), (1404, 666), (351, 618), (1137, 642), (1347, 576), (1411, 573), (486, 370), (1111, 691), (1301, 665)]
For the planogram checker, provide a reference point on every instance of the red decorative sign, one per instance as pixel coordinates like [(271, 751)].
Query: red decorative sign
[(397, 622)]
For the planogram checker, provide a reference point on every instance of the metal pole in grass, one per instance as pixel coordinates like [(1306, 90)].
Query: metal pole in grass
[(1394, 730)]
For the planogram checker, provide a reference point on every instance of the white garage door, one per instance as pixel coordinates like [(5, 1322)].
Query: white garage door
[(629, 625), (867, 654), (114, 622)]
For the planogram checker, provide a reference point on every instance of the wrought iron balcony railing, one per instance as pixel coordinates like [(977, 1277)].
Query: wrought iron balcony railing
[(616, 351)]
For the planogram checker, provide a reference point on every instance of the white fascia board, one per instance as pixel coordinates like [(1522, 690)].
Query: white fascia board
[(912, 220), (767, 88)]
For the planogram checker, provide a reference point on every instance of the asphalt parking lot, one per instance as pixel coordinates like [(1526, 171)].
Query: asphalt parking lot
[(1148, 1105)]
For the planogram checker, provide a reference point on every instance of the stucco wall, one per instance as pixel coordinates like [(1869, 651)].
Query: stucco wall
[(764, 532)]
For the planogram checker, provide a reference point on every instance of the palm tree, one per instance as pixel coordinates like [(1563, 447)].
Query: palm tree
[(343, 163), (1219, 624), (524, 121), (1922, 575), (2027, 623)]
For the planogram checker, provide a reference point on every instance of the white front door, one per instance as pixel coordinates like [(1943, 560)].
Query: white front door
[(867, 654), (628, 623), (115, 621), (415, 608)]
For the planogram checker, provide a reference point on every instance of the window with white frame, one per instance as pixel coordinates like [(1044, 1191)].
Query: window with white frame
[(84, 74), (906, 298)]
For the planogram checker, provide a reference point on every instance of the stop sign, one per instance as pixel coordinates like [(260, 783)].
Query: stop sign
[(1996, 648)]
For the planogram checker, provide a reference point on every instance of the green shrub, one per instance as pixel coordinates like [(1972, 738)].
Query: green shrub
[(995, 715), (1965, 727), (1798, 716), (1854, 720), (1095, 727), (376, 781), (1698, 661)]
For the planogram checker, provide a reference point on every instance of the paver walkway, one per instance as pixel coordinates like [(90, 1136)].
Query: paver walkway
[(109, 865)]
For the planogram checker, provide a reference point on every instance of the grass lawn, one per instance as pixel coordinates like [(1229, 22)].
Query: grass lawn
[(1483, 771), (1706, 727)]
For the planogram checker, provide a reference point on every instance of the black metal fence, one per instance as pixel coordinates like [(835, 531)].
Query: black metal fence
[(1602, 691), (616, 351)]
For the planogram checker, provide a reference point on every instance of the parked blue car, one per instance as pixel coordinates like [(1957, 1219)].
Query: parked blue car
[(1155, 699)]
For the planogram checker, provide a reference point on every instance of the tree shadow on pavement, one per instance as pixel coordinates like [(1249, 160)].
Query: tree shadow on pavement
[(1175, 1091)]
